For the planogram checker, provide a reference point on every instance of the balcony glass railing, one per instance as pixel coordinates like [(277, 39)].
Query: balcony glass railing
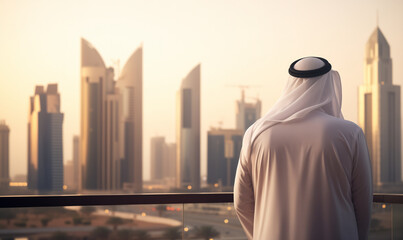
[(157, 216)]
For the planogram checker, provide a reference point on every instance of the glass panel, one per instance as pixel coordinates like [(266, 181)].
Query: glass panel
[(381, 224), (165, 221), (212, 221), (101, 222), (397, 221), (219, 221)]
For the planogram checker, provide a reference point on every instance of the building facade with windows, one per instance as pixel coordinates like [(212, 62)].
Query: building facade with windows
[(247, 112), (379, 112), (4, 155), (163, 161), (130, 85), (158, 160), (223, 149), (45, 140), (188, 131), (111, 122), (72, 169), (100, 123)]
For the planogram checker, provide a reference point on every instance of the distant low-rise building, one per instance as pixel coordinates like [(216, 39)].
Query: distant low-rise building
[(163, 161), (223, 149)]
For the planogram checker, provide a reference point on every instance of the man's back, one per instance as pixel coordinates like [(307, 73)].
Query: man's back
[(309, 180)]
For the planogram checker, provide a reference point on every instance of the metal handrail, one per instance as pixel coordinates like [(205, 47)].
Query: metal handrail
[(113, 199), (140, 199), (388, 198)]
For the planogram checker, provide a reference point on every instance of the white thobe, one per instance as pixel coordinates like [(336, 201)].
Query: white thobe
[(307, 179)]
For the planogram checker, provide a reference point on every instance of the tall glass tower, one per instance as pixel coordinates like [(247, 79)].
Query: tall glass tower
[(111, 122), (100, 123), (45, 140), (188, 131), (130, 84), (379, 112)]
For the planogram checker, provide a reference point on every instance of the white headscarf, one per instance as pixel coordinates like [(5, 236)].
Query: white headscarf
[(300, 97)]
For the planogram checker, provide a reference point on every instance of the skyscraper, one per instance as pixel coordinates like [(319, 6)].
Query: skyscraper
[(45, 140), (130, 84), (223, 148), (157, 158), (4, 155), (100, 123), (188, 131), (163, 160), (72, 168), (247, 113), (379, 112), (76, 163), (68, 173), (111, 122), (170, 171)]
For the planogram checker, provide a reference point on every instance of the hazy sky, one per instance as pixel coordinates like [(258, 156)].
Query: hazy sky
[(236, 42)]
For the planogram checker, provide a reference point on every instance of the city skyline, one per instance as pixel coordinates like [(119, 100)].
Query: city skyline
[(98, 81), (250, 42)]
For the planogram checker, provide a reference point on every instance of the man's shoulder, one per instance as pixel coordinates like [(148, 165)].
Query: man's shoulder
[(342, 126), (343, 123)]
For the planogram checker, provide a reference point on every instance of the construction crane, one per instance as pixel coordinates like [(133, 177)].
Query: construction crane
[(243, 88)]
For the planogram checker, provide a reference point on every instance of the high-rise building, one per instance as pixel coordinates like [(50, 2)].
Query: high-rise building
[(45, 140), (223, 148), (111, 122), (170, 171), (247, 113), (130, 84), (76, 163), (4, 155), (157, 158), (163, 160), (379, 112), (68, 173), (72, 168), (101, 132), (188, 131)]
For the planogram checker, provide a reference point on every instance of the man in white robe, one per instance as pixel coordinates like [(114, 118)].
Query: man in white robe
[(304, 172)]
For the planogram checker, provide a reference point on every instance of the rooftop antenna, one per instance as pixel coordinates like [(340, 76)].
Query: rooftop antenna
[(243, 88)]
